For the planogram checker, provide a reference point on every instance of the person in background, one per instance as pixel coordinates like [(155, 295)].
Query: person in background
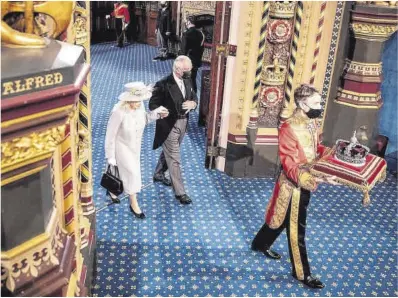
[(298, 147), (122, 20), (123, 139), (174, 92), (192, 45), (163, 31)]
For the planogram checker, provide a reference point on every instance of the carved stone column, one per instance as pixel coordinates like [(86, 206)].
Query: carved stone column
[(359, 99)]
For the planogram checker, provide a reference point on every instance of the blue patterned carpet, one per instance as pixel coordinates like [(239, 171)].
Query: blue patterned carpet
[(203, 249)]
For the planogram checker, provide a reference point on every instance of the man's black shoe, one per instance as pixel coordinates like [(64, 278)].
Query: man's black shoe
[(163, 180), (311, 282), (157, 58), (184, 199), (267, 252)]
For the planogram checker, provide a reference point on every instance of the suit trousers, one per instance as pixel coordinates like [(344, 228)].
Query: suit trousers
[(295, 224), (119, 32), (170, 158), (194, 73), (162, 41)]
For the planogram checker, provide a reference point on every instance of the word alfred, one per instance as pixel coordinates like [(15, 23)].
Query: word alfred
[(32, 83)]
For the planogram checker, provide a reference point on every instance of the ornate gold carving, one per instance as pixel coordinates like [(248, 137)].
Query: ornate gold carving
[(373, 31), (275, 74), (200, 5), (30, 147), (83, 145), (80, 30), (27, 260), (282, 9), (189, 8), (60, 12)]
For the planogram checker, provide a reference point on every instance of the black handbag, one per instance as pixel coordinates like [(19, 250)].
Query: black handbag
[(111, 182)]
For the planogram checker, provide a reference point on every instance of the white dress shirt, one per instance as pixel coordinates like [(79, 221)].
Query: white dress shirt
[(180, 84)]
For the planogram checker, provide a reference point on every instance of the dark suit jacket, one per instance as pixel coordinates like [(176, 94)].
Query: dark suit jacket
[(192, 45), (163, 21), (167, 93)]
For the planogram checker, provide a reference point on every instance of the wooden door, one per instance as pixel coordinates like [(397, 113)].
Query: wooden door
[(102, 30), (152, 14), (218, 64)]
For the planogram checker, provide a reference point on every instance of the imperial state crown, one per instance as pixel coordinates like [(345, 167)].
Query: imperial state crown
[(351, 152)]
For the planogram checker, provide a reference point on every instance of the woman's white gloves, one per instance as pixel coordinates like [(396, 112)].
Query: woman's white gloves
[(112, 162), (162, 112)]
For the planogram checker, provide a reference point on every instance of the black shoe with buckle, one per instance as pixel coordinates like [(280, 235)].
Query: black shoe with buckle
[(162, 179), (311, 282), (267, 252), (184, 199)]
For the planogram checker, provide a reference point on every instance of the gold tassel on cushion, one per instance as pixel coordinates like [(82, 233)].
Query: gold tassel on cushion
[(366, 199)]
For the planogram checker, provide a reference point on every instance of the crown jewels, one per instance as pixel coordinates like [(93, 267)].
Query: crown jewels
[(351, 152), (282, 9), (274, 75)]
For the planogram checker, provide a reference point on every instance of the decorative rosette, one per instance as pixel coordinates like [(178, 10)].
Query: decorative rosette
[(270, 96), (279, 31)]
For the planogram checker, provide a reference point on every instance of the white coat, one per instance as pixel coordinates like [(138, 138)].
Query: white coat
[(123, 143)]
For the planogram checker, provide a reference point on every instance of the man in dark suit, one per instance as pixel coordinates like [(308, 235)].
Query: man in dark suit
[(175, 93), (163, 31), (192, 45)]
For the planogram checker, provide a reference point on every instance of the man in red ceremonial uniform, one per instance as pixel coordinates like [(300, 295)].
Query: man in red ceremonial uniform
[(298, 146), (122, 20)]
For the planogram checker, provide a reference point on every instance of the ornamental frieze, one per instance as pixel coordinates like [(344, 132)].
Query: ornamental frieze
[(364, 69), (373, 31), (364, 100)]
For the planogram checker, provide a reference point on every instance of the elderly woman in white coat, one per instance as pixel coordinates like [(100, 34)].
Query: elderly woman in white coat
[(123, 138)]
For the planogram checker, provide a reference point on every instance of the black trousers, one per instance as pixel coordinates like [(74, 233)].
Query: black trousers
[(119, 32), (295, 223), (194, 73)]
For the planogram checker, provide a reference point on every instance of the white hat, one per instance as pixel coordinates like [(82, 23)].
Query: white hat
[(136, 91)]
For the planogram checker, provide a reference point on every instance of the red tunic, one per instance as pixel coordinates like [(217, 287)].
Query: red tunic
[(298, 146), (121, 11)]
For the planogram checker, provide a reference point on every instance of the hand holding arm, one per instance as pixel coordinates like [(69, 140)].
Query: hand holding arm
[(158, 113)]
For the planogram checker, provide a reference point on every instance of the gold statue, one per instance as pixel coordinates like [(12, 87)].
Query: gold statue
[(60, 12)]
